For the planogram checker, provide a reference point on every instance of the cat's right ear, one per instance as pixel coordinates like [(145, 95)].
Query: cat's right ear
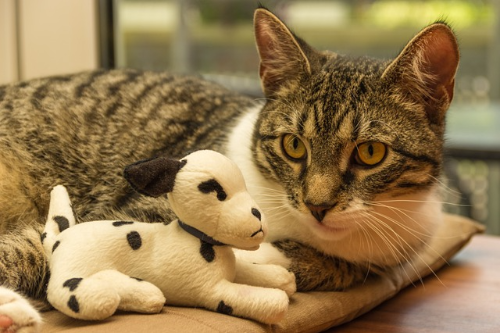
[(282, 54), (424, 72), (153, 177)]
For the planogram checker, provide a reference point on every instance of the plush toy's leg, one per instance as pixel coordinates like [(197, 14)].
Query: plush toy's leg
[(82, 298), (269, 276), (262, 304), (135, 295), (100, 295), (60, 217), (266, 254)]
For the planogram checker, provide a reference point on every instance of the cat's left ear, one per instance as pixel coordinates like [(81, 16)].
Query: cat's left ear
[(283, 56), (425, 70)]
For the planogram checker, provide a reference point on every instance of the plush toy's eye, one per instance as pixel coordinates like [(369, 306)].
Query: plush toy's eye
[(370, 153), (213, 185), (293, 147)]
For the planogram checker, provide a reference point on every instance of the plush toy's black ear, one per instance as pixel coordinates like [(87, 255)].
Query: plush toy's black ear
[(153, 177)]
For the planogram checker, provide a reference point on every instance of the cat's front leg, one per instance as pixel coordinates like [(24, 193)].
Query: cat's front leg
[(22, 266), (316, 271), (313, 270), (16, 313)]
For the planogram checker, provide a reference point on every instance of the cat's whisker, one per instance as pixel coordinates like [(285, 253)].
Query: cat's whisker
[(414, 233), (402, 225), (275, 198), (275, 203), (418, 201), (265, 188), (404, 268), (272, 198), (390, 246), (366, 234), (410, 230), (261, 99), (275, 210), (402, 214), (272, 195), (406, 213), (381, 234), (408, 246), (281, 211), (369, 245), (391, 128), (445, 188), (405, 246), (272, 205)]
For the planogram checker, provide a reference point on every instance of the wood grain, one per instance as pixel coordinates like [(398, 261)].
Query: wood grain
[(464, 297)]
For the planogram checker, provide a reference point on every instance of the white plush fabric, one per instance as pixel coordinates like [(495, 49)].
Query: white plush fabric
[(308, 312), (100, 267)]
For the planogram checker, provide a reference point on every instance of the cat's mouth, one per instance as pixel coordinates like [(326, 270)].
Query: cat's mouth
[(329, 228), (334, 226)]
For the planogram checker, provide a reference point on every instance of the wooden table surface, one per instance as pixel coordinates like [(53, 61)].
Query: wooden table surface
[(465, 298)]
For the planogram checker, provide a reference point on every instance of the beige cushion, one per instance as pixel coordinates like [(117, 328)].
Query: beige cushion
[(309, 312)]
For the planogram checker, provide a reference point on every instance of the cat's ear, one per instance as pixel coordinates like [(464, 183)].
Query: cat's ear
[(425, 70), (282, 54), (153, 177)]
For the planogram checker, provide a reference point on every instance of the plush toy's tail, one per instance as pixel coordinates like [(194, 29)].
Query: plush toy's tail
[(60, 217)]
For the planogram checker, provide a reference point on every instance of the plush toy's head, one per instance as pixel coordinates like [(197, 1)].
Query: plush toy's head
[(207, 192)]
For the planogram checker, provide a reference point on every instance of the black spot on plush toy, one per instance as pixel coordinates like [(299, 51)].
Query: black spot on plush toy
[(101, 266)]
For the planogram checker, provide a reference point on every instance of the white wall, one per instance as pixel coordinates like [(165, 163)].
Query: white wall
[(8, 52), (54, 36)]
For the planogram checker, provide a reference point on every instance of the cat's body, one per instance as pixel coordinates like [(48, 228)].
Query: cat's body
[(119, 117), (343, 156)]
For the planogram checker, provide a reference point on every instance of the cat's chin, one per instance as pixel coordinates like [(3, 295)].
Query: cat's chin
[(392, 232), (330, 230)]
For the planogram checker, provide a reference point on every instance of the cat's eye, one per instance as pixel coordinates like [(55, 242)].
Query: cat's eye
[(293, 147), (370, 153)]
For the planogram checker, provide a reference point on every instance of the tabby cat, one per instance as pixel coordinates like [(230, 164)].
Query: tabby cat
[(343, 156)]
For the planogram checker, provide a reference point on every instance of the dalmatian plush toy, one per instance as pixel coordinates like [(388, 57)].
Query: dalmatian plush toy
[(102, 266)]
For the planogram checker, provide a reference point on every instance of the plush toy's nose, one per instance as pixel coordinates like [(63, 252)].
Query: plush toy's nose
[(256, 213)]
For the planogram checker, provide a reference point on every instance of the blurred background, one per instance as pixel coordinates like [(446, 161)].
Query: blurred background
[(215, 38)]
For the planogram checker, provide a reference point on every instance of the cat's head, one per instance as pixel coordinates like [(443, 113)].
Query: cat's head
[(349, 138)]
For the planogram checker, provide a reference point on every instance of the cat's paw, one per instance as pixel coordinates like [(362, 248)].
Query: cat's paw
[(16, 314)]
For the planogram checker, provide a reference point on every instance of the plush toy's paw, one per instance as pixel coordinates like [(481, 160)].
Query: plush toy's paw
[(16, 314), (272, 308), (283, 279), (266, 305), (142, 296), (279, 310), (267, 276)]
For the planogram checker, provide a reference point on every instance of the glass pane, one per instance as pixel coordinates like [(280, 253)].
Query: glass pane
[(215, 37)]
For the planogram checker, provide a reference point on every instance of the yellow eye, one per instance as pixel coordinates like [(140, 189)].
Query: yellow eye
[(370, 153), (294, 147)]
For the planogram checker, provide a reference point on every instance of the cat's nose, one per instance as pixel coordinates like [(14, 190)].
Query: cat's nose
[(318, 211)]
